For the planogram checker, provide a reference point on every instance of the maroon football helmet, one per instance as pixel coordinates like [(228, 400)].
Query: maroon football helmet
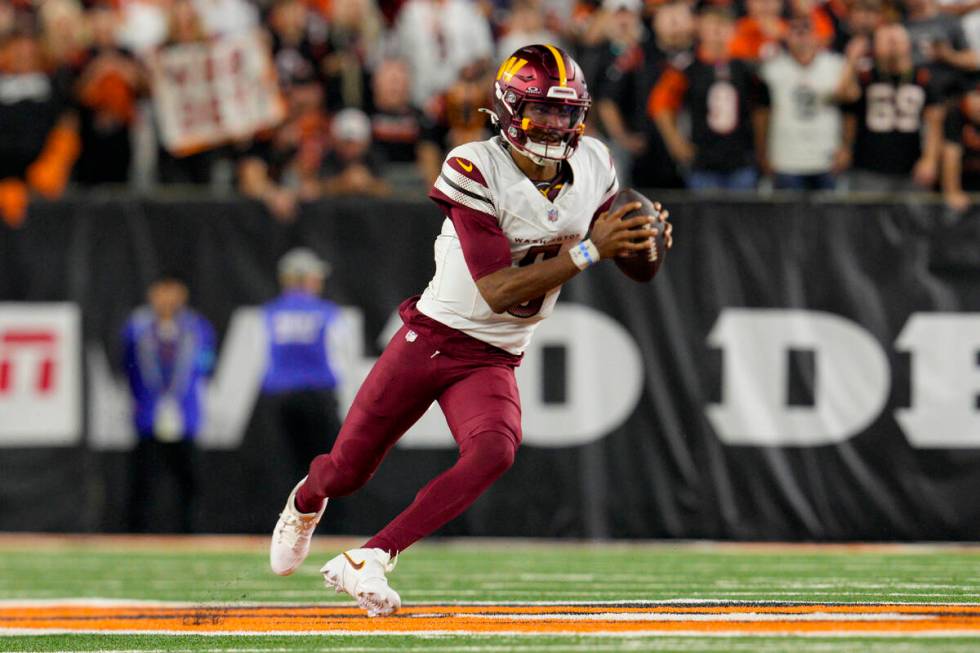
[(540, 102)]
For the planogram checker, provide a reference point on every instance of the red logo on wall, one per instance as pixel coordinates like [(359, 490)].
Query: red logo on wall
[(13, 342)]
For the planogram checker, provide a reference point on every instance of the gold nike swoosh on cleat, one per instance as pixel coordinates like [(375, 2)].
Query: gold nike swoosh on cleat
[(465, 165), (356, 565)]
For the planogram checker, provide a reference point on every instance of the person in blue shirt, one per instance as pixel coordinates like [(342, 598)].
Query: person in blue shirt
[(168, 351), (300, 382)]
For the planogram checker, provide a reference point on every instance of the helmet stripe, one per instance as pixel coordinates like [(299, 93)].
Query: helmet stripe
[(560, 59), (503, 67), (510, 68)]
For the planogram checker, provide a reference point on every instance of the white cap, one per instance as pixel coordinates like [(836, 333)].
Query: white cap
[(303, 262), (616, 5), (351, 125)]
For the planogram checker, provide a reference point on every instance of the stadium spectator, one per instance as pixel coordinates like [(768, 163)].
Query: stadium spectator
[(819, 15), (351, 168), (282, 165), (184, 27), (758, 33), (720, 94), (455, 115), (938, 43), (402, 135), (38, 134), (620, 55), (353, 46), (859, 21), (589, 25), (438, 39), (279, 165), (107, 90), (899, 116), (622, 90), (168, 351), (525, 24), (299, 387), (968, 12), (296, 53), (63, 34), (673, 31), (961, 150), (802, 132)]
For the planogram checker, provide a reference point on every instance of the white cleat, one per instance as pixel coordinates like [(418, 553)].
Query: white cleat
[(361, 573), (292, 535)]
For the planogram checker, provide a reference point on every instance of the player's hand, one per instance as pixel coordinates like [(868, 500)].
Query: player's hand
[(662, 223), (613, 236)]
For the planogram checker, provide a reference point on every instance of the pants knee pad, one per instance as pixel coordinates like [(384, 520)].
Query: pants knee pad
[(342, 479), (495, 451)]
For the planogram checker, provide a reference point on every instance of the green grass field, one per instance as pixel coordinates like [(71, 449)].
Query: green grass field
[(217, 580)]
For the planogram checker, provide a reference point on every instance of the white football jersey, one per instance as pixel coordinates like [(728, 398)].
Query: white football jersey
[(483, 177), (805, 124)]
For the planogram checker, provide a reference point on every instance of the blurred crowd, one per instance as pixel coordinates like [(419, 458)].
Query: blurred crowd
[(365, 96)]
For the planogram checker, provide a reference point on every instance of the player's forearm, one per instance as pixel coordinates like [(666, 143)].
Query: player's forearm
[(512, 286)]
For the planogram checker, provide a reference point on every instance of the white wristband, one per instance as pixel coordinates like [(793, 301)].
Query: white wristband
[(584, 254)]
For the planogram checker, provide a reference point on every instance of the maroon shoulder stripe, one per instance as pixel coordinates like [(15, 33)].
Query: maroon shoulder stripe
[(466, 168)]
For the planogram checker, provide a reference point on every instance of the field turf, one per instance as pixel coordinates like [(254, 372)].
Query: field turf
[(216, 594)]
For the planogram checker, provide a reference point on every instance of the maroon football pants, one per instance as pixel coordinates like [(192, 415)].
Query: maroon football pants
[(479, 397)]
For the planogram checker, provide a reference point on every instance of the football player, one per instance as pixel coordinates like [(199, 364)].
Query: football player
[(525, 212)]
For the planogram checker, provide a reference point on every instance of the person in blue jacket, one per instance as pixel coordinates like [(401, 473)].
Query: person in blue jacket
[(299, 390), (168, 352)]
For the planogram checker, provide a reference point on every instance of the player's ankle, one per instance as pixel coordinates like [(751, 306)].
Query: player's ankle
[(382, 543), (306, 502)]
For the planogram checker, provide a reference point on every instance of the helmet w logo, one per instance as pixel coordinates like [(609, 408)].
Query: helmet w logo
[(510, 67)]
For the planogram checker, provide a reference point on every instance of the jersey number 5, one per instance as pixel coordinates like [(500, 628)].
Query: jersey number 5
[(531, 307)]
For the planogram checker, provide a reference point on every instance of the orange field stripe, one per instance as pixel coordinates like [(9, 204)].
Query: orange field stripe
[(75, 609), (579, 619)]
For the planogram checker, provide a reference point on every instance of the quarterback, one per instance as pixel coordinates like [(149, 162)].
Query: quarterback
[(525, 212)]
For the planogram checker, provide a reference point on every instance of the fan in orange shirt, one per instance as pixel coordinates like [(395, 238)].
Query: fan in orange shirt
[(758, 35), (38, 137)]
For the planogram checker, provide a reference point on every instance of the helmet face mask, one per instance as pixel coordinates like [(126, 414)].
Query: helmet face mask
[(540, 103)]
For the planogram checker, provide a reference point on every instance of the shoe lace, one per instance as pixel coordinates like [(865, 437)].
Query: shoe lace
[(294, 528)]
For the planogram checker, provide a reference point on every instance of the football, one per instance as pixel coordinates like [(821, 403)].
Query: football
[(641, 266)]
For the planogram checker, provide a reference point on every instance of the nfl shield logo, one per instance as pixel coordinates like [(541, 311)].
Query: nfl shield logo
[(552, 215)]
